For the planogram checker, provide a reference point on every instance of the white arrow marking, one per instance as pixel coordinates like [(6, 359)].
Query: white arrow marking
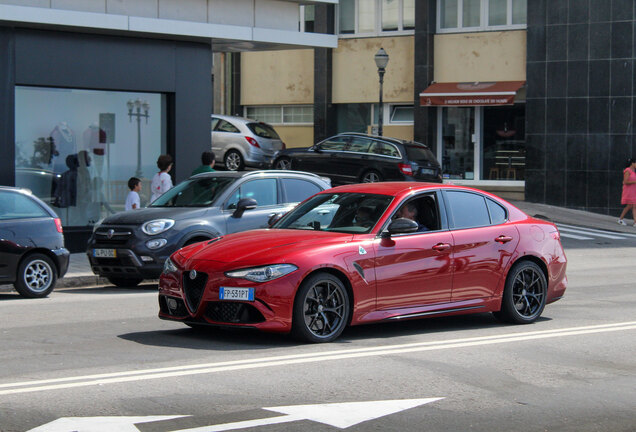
[(99, 424), (340, 415)]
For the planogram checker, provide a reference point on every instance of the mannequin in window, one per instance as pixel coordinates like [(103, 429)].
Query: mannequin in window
[(94, 139), (65, 144)]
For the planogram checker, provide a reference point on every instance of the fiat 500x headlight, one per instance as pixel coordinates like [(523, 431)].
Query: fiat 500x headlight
[(157, 226), (263, 274)]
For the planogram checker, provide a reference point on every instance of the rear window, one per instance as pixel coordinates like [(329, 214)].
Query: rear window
[(263, 130), (419, 153), (14, 205)]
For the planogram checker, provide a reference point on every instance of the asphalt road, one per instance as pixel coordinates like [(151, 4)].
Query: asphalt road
[(100, 355)]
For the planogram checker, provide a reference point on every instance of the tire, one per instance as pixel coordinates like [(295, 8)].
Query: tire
[(525, 294), (283, 163), (371, 176), (36, 276), (321, 309), (125, 282), (234, 161)]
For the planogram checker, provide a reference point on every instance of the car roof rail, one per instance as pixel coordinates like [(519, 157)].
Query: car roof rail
[(251, 173)]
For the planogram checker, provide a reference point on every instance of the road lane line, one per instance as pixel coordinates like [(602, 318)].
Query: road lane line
[(592, 230), (596, 234), (576, 237), (171, 372)]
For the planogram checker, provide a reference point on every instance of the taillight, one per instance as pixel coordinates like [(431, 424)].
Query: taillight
[(58, 224), (252, 142), (406, 169), (284, 146)]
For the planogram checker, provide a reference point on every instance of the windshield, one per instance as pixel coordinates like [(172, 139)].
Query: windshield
[(263, 130), (197, 192), (419, 153), (354, 213)]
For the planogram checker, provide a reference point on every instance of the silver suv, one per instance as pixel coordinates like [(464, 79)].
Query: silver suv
[(241, 142), (131, 246)]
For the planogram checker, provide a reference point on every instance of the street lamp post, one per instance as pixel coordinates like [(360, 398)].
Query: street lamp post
[(381, 60), (138, 105)]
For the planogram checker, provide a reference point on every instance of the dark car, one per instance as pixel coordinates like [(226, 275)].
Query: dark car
[(361, 158), (32, 253), (129, 247)]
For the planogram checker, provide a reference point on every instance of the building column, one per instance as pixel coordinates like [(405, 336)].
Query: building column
[(324, 111), (424, 118), (7, 106)]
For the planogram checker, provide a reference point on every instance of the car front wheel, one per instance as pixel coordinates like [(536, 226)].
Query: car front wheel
[(525, 293), (321, 309), (234, 161), (282, 163), (36, 276)]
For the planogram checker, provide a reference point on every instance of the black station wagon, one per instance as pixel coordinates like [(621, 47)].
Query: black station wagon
[(361, 158)]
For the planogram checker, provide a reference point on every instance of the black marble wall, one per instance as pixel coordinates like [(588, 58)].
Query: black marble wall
[(580, 101), (425, 118), (324, 111)]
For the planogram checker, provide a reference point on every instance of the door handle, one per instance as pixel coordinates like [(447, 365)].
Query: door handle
[(441, 247), (503, 239)]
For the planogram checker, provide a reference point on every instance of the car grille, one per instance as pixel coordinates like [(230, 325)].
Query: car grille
[(112, 236), (233, 312), (194, 289)]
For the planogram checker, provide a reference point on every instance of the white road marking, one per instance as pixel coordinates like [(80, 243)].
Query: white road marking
[(592, 230), (340, 415), (576, 237), (595, 234), (257, 363), (99, 424)]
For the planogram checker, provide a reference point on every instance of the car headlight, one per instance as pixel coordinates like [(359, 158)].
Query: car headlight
[(156, 243), (263, 274), (157, 226), (169, 267)]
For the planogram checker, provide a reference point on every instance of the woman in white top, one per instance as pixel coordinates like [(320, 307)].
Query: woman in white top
[(161, 182)]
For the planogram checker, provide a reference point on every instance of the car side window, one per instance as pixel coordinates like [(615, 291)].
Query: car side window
[(14, 205), (334, 144), (423, 210), (298, 190), (498, 214), (214, 122), (225, 126), (359, 145), (468, 209), (384, 149), (264, 191)]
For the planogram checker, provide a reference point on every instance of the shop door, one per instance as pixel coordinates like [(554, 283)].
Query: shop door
[(458, 140)]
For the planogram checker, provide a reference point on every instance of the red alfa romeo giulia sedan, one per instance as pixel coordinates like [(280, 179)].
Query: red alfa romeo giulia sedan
[(368, 253)]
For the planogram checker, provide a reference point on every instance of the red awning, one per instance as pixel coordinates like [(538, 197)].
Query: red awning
[(471, 94)]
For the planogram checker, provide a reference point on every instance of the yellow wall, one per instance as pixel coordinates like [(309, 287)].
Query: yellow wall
[(277, 77), (296, 136), (483, 56), (400, 132), (355, 75)]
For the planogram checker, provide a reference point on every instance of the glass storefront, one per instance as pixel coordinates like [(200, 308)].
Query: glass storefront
[(482, 143), (76, 149)]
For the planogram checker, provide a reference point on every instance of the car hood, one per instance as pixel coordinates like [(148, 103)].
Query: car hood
[(140, 216), (260, 245)]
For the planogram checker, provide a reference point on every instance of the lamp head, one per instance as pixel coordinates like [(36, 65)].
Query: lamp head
[(381, 58)]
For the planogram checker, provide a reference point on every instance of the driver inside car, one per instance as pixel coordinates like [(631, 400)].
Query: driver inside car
[(409, 211)]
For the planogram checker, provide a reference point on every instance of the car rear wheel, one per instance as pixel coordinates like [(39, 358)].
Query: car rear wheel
[(125, 282), (234, 161), (283, 163), (321, 309), (371, 177), (36, 276), (525, 293)]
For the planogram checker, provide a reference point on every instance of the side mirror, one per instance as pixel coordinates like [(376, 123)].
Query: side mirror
[(242, 205), (400, 226), (317, 148), (273, 219)]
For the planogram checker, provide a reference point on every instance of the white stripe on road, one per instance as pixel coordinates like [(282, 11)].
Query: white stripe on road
[(580, 231), (576, 237), (592, 230), (207, 368)]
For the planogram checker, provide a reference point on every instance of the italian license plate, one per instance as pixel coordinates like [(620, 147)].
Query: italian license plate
[(105, 253), (229, 293), (427, 171)]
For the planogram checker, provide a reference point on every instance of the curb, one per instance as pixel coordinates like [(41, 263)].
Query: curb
[(82, 280)]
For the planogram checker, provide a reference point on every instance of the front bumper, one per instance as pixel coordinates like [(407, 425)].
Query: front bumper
[(197, 301), (127, 264)]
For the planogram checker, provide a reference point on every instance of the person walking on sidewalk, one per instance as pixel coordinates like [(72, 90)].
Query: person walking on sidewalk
[(629, 191), (161, 182)]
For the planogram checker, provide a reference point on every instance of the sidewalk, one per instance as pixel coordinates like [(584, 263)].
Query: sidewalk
[(80, 273)]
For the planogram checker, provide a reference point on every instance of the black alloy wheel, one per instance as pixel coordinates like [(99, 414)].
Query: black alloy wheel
[(125, 282), (525, 294), (283, 163), (234, 161), (36, 276), (321, 309), (371, 177)]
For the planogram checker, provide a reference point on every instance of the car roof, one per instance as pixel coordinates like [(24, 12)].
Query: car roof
[(17, 189), (236, 118), (258, 173), (383, 138), (398, 188)]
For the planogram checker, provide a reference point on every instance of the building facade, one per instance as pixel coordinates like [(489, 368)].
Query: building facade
[(531, 99), (92, 92)]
